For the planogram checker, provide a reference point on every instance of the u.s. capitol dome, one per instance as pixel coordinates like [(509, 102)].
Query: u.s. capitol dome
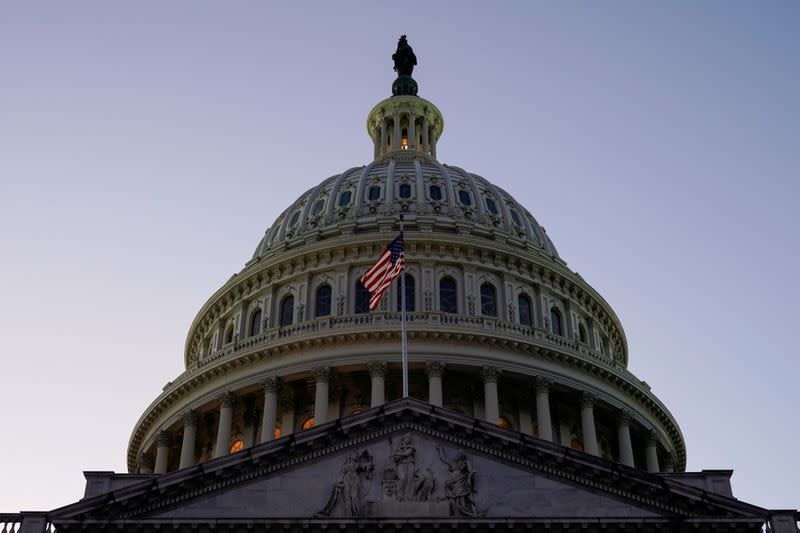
[(499, 327)]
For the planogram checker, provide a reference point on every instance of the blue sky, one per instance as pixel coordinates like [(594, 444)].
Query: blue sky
[(144, 149)]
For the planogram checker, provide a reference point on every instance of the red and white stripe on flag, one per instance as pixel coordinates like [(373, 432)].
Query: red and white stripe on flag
[(388, 267)]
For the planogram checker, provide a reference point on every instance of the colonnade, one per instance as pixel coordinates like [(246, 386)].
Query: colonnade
[(377, 372), (395, 121)]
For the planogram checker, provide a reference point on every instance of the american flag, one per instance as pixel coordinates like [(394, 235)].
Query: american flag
[(378, 278)]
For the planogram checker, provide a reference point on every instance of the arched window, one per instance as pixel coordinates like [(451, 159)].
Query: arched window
[(515, 218), (322, 305), (277, 432), (504, 423), (525, 315), (255, 323), (464, 197), (410, 304), (287, 311), (582, 334), (229, 334), (405, 190), (436, 192), (488, 300), (555, 321), (344, 198), (491, 205), (374, 193), (308, 423), (295, 219), (362, 298), (448, 299), (319, 205), (237, 446)]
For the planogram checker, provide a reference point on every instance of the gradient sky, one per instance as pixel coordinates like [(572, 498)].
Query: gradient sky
[(145, 148)]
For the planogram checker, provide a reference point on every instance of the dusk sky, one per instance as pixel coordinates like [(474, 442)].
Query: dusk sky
[(145, 148)]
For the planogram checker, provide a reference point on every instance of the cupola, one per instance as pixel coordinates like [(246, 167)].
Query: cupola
[(404, 122)]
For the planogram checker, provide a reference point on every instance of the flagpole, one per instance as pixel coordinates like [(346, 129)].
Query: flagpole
[(404, 341)]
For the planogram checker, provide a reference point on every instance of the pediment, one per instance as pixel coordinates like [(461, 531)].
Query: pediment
[(406, 460)]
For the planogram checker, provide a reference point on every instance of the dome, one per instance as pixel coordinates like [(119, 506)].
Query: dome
[(498, 327), (431, 196)]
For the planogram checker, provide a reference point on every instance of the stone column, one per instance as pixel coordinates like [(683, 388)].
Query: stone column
[(587, 424), (226, 403), (669, 464), (322, 377), (220, 334), (490, 400), (412, 131), (190, 420), (145, 463), (543, 409), (432, 137), (384, 136), (425, 146), (162, 452), (270, 417), (435, 370), (652, 452), (377, 372), (396, 135), (624, 437)]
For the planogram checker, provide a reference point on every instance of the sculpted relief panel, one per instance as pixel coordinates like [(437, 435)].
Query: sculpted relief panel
[(405, 475)]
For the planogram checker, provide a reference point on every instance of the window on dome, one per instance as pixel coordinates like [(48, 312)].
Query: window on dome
[(295, 219), (362, 298), (555, 322), (374, 193), (255, 323), (322, 305), (464, 197), (503, 422), (404, 140), (436, 192), (525, 315), (229, 334), (344, 198), (582, 334), (237, 446), (409, 294), (515, 218), (318, 206), (491, 205), (277, 432), (308, 423), (448, 300), (287, 311), (488, 300), (405, 190)]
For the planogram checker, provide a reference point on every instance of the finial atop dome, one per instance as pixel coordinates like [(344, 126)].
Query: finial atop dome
[(404, 61)]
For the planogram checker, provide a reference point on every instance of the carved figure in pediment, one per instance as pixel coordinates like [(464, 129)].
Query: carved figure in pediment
[(403, 482), (356, 471), (460, 484)]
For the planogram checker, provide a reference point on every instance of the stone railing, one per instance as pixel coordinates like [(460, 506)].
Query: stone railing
[(416, 321), (29, 522)]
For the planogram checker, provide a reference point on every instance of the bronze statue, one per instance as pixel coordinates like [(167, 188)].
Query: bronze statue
[(404, 58)]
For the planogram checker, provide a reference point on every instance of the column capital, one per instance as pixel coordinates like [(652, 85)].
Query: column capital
[(227, 399), (435, 369), (623, 417), (490, 374), (543, 385), (190, 418), (587, 399), (162, 438), (378, 369), (322, 374), (272, 384)]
